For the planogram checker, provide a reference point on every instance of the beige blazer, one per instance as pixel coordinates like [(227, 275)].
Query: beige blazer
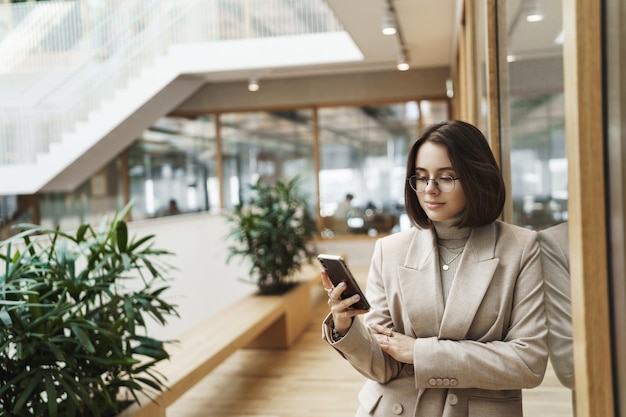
[(555, 263), (471, 357)]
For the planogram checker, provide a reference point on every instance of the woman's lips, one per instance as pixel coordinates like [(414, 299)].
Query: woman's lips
[(433, 205)]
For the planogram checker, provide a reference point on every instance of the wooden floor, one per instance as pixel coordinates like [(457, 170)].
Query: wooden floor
[(310, 380)]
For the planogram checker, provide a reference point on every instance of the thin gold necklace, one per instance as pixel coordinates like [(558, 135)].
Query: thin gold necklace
[(446, 265)]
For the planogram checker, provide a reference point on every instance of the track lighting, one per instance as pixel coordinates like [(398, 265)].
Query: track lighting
[(253, 84), (389, 23), (403, 63), (391, 27)]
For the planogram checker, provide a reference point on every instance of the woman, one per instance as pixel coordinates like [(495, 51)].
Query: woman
[(457, 326)]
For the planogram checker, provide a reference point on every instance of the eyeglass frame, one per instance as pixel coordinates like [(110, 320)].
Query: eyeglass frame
[(428, 180)]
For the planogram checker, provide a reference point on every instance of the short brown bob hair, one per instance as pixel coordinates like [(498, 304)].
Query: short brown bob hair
[(474, 164)]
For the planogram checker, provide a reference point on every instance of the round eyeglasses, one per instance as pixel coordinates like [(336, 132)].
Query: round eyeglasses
[(445, 183)]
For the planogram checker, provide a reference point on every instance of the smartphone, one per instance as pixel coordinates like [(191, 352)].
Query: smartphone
[(338, 272)]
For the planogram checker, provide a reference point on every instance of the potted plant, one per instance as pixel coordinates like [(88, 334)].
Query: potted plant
[(273, 231), (73, 311)]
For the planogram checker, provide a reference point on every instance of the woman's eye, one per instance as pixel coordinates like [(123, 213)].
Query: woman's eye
[(446, 179)]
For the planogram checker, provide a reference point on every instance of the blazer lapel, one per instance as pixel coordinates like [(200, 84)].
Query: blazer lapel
[(420, 285), (476, 268)]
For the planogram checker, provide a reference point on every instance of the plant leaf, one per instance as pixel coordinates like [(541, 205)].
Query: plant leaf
[(121, 231), (83, 338), (51, 393), (28, 391)]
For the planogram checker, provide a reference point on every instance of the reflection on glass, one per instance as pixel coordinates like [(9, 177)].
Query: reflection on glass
[(555, 264), (538, 162), (273, 145), (363, 161), (533, 131)]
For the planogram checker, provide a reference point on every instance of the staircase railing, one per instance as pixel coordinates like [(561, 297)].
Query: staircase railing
[(60, 60)]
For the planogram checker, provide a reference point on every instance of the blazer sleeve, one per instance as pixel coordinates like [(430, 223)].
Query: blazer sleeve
[(555, 264), (359, 346)]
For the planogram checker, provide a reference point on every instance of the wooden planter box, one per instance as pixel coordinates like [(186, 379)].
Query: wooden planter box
[(256, 321)]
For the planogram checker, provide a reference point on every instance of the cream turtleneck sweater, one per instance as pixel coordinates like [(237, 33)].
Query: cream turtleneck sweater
[(450, 245)]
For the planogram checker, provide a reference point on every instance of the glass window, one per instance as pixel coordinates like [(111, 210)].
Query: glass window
[(538, 161), (16, 209), (535, 129), (172, 168), (99, 196), (273, 145), (433, 111), (363, 165)]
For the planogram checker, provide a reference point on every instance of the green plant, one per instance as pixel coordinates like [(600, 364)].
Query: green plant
[(73, 313), (273, 231)]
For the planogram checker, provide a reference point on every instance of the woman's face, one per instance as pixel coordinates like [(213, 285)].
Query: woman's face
[(432, 162)]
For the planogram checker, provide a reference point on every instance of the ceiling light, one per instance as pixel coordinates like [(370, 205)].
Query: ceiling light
[(533, 11), (403, 63), (253, 84), (449, 88), (534, 17), (389, 23)]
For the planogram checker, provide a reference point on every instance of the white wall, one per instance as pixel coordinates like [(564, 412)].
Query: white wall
[(321, 90), (203, 282)]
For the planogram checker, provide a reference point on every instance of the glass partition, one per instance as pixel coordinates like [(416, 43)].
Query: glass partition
[(433, 111), (14, 210), (172, 168), (363, 164), (532, 134), (99, 196), (534, 130), (269, 145)]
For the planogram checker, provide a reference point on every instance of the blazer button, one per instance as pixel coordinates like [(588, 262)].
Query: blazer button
[(432, 382), (410, 370), (453, 399), (453, 382), (439, 381), (446, 382), (397, 408)]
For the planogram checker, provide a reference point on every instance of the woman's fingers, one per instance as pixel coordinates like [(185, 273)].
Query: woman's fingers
[(326, 281)]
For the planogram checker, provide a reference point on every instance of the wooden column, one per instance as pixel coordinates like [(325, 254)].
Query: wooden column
[(494, 75), (587, 221)]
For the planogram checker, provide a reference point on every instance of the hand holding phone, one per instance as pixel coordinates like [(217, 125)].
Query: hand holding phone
[(338, 272)]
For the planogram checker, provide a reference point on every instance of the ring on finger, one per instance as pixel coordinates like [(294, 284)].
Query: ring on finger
[(390, 333)]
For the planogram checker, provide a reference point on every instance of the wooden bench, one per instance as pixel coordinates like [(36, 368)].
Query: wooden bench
[(268, 321)]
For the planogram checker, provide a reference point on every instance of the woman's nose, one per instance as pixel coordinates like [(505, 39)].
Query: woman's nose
[(431, 187)]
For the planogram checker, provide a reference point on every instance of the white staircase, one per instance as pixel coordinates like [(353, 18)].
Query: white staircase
[(105, 115)]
